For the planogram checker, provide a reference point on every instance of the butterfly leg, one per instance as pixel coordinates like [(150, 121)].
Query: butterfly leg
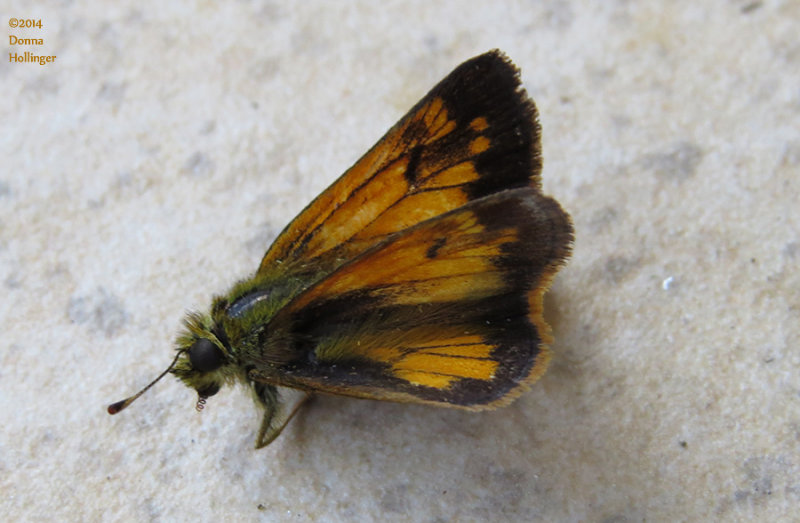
[(280, 405)]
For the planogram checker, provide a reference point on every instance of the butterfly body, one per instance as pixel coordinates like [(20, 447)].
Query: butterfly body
[(418, 276)]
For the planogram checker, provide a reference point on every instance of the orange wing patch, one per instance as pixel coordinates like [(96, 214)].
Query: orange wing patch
[(428, 366), (447, 260), (372, 199), (436, 363)]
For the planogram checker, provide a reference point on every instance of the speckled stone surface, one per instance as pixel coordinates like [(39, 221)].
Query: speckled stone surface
[(150, 165)]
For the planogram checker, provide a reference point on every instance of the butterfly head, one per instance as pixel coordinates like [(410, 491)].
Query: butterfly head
[(203, 361)]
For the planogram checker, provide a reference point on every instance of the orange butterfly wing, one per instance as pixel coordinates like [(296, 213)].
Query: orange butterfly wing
[(446, 312), (472, 135)]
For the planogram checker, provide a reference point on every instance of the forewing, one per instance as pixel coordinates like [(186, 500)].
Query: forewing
[(473, 135), (447, 312)]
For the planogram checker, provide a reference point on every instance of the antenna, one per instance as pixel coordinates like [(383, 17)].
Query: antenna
[(118, 406)]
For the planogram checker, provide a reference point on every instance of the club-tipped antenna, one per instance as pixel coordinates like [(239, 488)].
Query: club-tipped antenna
[(118, 406)]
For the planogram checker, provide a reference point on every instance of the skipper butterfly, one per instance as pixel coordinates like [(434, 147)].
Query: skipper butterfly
[(418, 276)]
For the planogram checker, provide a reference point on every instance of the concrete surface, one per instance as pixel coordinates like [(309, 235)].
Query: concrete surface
[(151, 163)]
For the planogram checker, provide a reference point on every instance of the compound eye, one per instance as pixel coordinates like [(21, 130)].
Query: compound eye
[(205, 356)]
